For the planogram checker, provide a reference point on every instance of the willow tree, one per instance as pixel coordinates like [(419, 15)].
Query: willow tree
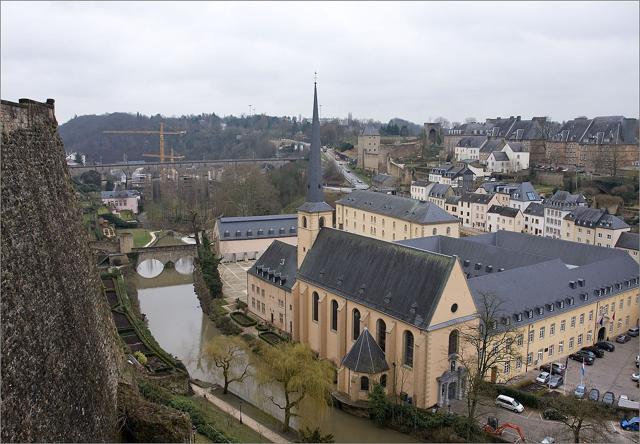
[(486, 345), (302, 377), (231, 355)]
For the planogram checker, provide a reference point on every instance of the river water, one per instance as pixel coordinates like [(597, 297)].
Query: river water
[(179, 326)]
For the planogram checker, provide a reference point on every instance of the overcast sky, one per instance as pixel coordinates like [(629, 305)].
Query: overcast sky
[(377, 60)]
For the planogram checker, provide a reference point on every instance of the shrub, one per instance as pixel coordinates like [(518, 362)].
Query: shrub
[(528, 399), (378, 405), (243, 319), (242, 306), (315, 435), (140, 357), (262, 327), (226, 326)]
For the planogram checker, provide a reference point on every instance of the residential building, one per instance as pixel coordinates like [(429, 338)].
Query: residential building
[(504, 218), (451, 205), (126, 200), (432, 192), (556, 208), (468, 148), (392, 218), (457, 176), (629, 242), (489, 147), (244, 238), (419, 189), (498, 162), (593, 226), (534, 219), (384, 183), (473, 207), (520, 195)]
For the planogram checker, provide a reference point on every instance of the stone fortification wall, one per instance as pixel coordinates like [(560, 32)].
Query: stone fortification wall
[(59, 346)]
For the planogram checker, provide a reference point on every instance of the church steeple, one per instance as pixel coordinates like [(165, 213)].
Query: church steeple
[(315, 213)]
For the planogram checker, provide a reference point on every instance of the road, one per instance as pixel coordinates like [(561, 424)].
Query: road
[(346, 172)]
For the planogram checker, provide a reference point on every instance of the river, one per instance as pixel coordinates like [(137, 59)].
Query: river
[(179, 326)]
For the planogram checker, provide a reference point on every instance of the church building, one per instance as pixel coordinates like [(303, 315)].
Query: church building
[(391, 312)]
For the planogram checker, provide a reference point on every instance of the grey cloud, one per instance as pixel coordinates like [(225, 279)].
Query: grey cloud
[(377, 60)]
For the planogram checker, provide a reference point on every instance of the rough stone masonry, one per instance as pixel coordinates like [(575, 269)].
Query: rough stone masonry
[(59, 363)]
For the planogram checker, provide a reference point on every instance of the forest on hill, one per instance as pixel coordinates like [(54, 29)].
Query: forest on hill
[(208, 136)]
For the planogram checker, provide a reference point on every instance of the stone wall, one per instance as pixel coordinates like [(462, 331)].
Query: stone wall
[(60, 361)]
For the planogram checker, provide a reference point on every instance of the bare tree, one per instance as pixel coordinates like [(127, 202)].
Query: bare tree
[(484, 346), (443, 121), (226, 351), (580, 417)]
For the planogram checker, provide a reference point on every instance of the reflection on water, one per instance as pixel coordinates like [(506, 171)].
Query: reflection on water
[(150, 268), (184, 265), (177, 322)]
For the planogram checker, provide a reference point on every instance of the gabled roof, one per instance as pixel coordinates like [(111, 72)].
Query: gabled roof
[(439, 190), (124, 194), (595, 218), (522, 192), (491, 145), (500, 156), (374, 273), (477, 198), (630, 241), (365, 355), (517, 147), (563, 198), (504, 211), (535, 209), (370, 130), (395, 206), (452, 200), (601, 130), (471, 142), (278, 265), (257, 227)]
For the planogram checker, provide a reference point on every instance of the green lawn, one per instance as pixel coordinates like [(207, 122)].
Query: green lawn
[(141, 236), (226, 423)]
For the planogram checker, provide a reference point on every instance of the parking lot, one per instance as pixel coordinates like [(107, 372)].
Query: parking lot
[(234, 279)]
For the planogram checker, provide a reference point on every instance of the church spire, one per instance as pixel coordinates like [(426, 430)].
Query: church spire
[(314, 183)]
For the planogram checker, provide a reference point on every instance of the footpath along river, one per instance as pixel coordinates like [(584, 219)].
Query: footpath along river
[(179, 326)]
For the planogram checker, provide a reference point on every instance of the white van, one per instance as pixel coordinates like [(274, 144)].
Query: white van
[(509, 403)]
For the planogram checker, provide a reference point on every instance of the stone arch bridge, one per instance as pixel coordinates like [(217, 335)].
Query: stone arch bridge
[(170, 253)]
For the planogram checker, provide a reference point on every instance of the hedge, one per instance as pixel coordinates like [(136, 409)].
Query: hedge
[(243, 319), (525, 398)]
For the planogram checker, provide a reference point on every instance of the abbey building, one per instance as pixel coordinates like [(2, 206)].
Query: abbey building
[(386, 303)]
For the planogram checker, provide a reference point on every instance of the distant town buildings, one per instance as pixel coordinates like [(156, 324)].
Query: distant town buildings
[(121, 200)]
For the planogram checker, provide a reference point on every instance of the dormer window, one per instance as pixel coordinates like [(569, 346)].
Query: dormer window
[(519, 317), (530, 314)]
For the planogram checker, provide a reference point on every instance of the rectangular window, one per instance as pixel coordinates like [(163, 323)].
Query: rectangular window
[(518, 362), (281, 318), (531, 334), (611, 327), (589, 335), (580, 339), (581, 318), (629, 301), (573, 321), (541, 332), (520, 340), (552, 329), (540, 355), (529, 358), (507, 367), (551, 350), (253, 302), (613, 306), (626, 321), (591, 315), (253, 288), (570, 342), (621, 304), (562, 325), (560, 347)]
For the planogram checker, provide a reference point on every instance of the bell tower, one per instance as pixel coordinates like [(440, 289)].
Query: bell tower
[(315, 213)]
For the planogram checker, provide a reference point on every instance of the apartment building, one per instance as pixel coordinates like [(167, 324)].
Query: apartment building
[(534, 219), (556, 208), (629, 242), (505, 218), (593, 226), (473, 208)]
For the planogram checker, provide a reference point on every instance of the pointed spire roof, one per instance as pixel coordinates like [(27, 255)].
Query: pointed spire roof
[(315, 197), (365, 356)]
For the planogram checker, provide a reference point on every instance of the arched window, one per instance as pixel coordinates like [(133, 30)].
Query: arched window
[(453, 342), (448, 231), (364, 383), (383, 380), (408, 348), (356, 323), (321, 222), (435, 231), (316, 303), (334, 315), (304, 221), (381, 337)]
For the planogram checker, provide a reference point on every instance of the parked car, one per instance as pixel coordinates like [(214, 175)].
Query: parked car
[(589, 353), (556, 381), (626, 403), (622, 339), (608, 398), (599, 353), (555, 369), (635, 377), (594, 394), (582, 357), (633, 332), (553, 415), (581, 390), (632, 424), (509, 403), (604, 345), (543, 378)]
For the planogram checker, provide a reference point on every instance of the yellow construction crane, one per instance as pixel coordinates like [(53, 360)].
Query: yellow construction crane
[(162, 133)]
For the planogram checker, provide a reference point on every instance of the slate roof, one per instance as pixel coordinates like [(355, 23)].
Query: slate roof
[(277, 265), (535, 209), (365, 355), (526, 129), (374, 273), (411, 210), (517, 147), (471, 142), (491, 145), (500, 156), (476, 198), (503, 211), (124, 194), (452, 200), (602, 130), (439, 190), (370, 130), (529, 272), (595, 218), (563, 198), (384, 180), (630, 241), (257, 227), (522, 192)]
